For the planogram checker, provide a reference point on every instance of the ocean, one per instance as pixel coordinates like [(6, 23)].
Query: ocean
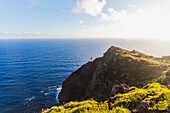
[(32, 70)]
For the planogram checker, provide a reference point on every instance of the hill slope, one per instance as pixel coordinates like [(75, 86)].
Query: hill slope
[(96, 79), (152, 98)]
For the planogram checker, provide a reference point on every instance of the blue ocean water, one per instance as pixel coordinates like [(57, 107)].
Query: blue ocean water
[(32, 70)]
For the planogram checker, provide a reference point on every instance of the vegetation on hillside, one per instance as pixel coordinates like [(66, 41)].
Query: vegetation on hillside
[(130, 67), (155, 97)]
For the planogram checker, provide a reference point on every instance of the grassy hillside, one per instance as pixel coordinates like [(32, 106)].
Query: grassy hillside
[(152, 97)]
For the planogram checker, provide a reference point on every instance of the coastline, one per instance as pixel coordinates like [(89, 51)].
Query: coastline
[(110, 74)]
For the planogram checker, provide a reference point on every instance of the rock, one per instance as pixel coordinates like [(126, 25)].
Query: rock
[(167, 58), (168, 73), (142, 107), (122, 88), (166, 80)]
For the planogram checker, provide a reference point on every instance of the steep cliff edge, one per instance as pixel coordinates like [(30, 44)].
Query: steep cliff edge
[(96, 79)]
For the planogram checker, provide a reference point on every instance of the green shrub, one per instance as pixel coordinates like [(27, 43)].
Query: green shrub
[(158, 94)]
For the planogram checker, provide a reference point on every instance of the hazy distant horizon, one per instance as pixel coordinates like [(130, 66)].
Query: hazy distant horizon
[(149, 39), (153, 47)]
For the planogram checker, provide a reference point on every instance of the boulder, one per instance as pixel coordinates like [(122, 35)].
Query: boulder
[(122, 88)]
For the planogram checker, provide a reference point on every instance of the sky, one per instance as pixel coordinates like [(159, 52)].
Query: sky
[(138, 19)]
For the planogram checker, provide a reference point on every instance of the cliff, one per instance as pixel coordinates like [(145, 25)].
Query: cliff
[(97, 79)]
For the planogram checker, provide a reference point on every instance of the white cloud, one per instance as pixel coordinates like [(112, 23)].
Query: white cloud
[(152, 23), (132, 5), (146, 23), (113, 15), (110, 10), (20, 35), (81, 22), (91, 7), (83, 25)]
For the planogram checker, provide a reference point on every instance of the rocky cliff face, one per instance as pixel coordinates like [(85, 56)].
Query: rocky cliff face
[(74, 87), (118, 66)]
